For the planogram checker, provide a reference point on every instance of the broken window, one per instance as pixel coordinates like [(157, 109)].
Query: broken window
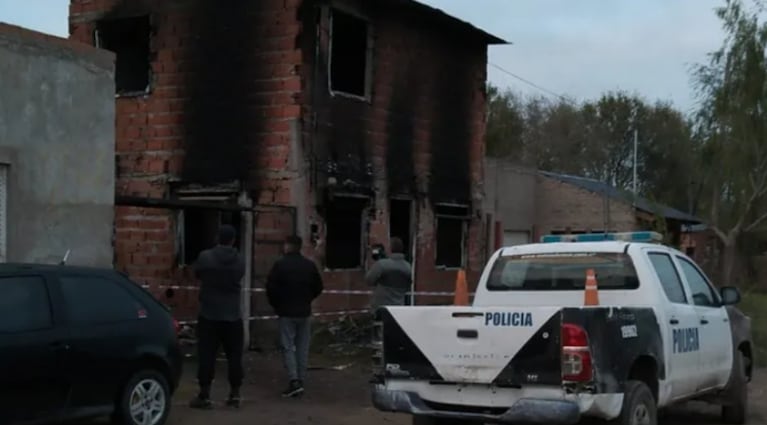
[(399, 223), (129, 39), (343, 233), (198, 231), (451, 236), (349, 54)]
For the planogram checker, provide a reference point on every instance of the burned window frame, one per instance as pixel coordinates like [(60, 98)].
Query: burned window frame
[(98, 43), (369, 51), (181, 237), (362, 205), (455, 212)]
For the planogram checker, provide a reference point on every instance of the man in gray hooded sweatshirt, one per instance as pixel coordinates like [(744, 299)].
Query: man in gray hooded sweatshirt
[(391, 277), (220, 271)]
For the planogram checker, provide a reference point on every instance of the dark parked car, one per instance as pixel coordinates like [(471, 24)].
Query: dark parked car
[(83, 343)]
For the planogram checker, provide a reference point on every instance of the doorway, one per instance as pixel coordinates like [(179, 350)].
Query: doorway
[(400, 223)]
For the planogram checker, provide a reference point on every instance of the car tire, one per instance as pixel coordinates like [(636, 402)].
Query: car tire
[(146, 393), (639, 406), (735, 411)]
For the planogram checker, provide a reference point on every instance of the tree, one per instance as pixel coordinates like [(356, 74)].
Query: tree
[(732, 123), (505, 124)]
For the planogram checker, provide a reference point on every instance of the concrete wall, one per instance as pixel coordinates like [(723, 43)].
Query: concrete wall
[(510, 194), (57, 140)]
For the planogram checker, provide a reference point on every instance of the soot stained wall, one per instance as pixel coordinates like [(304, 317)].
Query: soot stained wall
[(223, 125)]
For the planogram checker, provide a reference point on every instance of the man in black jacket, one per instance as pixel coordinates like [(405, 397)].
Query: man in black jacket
[(293, 283), (220, 271)]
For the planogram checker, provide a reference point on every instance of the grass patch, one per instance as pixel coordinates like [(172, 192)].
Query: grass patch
[(755, 306)]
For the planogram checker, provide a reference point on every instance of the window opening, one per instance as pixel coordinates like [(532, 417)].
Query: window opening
[(199, 230), (399, 223), (343, 233), (129, 39), (349, 54), (451, 236)]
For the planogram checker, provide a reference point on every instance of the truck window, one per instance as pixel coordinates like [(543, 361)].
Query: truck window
[(702, 293), (562, 272), (669, 277)]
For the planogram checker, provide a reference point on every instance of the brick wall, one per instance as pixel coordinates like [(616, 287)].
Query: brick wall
[(561, 206), (239, 95)]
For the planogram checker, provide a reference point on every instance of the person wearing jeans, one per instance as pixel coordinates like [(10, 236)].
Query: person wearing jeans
[(220, 271), (292, 284)]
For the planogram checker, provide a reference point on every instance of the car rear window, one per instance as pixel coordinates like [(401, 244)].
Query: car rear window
[(562, 272)]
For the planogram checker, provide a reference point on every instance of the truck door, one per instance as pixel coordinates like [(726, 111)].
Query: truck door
[(680, 328), (715, 339)]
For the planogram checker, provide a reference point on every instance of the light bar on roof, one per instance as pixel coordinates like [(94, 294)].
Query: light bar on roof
[(599, 237)]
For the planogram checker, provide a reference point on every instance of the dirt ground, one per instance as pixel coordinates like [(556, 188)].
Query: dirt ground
[(340, 397)]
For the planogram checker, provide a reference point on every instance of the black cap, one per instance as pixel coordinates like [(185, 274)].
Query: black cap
[(226, 234)]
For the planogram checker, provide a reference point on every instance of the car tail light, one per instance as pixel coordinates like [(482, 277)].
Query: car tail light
[(576, 354)]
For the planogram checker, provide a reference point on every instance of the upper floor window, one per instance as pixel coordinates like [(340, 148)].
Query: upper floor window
[(350, 54), (128, 39)]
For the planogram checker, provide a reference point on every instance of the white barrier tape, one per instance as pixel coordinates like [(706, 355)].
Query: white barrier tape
[(326, 291), (273, 317)]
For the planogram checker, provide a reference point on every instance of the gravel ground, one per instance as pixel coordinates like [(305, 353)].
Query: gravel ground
[(340, 397)]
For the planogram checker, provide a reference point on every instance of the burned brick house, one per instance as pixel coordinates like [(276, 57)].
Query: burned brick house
[(344, 121)]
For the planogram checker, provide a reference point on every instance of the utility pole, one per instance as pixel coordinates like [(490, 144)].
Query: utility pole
[(636, 144)]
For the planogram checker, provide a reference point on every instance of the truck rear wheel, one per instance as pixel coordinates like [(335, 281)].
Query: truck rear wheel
[(427, 420), (736, 409), (639, 407)]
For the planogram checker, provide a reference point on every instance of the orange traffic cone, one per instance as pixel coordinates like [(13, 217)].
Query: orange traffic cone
[(591, 293), (461, 289)]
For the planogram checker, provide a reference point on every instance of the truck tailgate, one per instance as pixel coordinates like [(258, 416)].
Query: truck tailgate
[(473, 345)]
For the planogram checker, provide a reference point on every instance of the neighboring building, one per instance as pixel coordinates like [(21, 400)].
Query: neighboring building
[(529, 204), (57, 164), (510, 194), (344, 121)]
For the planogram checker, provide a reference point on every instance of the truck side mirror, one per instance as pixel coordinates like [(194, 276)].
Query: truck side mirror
[(730, 295)]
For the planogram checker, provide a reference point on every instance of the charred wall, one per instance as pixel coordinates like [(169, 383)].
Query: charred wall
[(223, 123)]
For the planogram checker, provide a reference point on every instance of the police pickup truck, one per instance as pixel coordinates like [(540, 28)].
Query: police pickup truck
[(614, 326)]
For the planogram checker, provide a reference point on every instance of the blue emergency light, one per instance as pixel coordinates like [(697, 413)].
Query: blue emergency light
[(600, 237)]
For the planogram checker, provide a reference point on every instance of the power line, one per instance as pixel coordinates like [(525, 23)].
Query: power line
[(528, 82)]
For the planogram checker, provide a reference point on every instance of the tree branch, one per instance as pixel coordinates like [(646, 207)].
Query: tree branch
[(756, 223)]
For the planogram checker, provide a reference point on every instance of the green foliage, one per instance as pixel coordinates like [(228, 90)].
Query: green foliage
[(596, 139), (732, 121)]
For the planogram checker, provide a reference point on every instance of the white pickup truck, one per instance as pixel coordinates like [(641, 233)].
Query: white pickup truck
[(529, 351)]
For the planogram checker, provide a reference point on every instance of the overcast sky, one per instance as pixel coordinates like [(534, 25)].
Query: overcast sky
[(577, 48)]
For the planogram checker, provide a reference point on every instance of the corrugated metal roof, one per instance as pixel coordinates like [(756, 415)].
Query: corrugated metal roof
[(438, 14), (643, 204)]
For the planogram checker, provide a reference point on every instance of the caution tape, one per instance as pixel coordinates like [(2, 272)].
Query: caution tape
[(273, 317), (326, 291)]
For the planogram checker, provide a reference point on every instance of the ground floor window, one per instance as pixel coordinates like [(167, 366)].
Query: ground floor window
[(452, 225), (198, 229), (343, 233)]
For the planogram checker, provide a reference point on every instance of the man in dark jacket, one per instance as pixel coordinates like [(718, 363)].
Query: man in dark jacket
[(391, 277), (293, 283), (220, 271)]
